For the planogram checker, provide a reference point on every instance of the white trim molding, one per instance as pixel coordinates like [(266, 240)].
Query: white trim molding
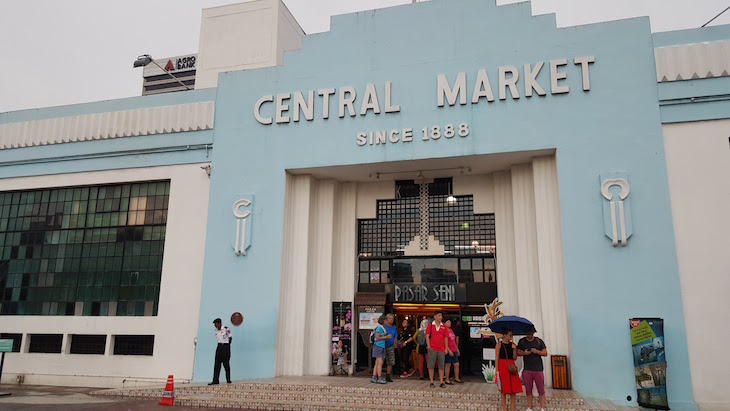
[(692, 61), (100, 126)]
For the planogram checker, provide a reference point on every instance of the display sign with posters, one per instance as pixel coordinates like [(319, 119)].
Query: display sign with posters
[(368, 321), (341, 332), (650, 365)]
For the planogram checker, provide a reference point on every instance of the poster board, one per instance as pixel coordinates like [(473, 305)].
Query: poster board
[(650, 364), (368, 321), (341, 333)]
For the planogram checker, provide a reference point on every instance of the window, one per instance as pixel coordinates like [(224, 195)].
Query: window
[(46, 343), (134, 344), (374, 271), (87, 251), (477, 270), (88, 344), (17, 338), (452, 223)]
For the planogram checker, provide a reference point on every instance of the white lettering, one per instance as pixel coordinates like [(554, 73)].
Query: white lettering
[(511, 82), (370, 101), (407, 135), (393, 136), (584, 62), (380, 136), (482, 88), (282, 108), (555, 75), (326, 93), (531, 80), (443, 89), (347, 101), (362, 139), (389, 108), (257, 110), (307, 107)]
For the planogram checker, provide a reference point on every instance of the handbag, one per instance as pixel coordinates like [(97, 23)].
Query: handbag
[(511, 368)]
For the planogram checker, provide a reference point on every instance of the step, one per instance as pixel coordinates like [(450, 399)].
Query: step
[(312, 397), (455, 392), (346, 403)]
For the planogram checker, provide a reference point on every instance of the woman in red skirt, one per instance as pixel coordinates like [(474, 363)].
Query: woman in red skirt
[(509, 384)]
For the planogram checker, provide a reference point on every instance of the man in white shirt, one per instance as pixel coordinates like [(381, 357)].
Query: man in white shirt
[(222, 352)]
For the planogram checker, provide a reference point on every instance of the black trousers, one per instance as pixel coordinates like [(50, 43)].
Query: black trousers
[(405, 355), (222, 356)]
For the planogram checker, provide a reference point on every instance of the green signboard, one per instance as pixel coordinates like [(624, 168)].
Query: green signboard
[(6, 345)]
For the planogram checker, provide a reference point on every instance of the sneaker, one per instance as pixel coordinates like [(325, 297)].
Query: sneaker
[(213, 383), (432, 385), (387, 378), (374, 379), (442, 385), (405, 375), (382, 381), (411, 373)]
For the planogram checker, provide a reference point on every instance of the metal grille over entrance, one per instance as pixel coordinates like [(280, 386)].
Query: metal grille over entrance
[(424, 210)]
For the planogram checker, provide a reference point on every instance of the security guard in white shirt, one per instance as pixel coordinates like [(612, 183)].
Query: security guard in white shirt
[(222, 352)]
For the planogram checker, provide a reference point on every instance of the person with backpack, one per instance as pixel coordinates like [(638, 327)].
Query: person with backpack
[(421, 348), (379, 336)]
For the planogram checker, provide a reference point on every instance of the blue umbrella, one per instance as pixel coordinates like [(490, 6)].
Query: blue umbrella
[(518, 325)]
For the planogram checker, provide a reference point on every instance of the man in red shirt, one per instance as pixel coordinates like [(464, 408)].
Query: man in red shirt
[(437, 343)]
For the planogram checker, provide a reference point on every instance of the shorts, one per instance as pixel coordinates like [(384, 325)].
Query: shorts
[(434, 357), (538, 377), (390, 354), (452, 359), (378, 352)]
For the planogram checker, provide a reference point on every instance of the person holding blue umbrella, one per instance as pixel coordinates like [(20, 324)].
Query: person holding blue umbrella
[(509, 379)]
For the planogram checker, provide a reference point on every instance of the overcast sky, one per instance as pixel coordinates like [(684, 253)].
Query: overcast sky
[(74, 51)]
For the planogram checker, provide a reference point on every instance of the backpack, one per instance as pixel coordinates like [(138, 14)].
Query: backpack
[(374, 332), (420, 337)]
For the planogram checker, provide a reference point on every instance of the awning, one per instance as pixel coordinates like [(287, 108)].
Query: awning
[(363, 298)]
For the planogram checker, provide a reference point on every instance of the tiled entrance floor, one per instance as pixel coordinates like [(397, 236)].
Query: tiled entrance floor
[(353, 393)]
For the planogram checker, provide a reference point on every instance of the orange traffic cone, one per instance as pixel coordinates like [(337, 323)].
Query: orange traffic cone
[(169, 395)]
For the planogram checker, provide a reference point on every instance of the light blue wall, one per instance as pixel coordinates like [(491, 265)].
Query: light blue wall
[(117, 153), (698, 35), (694, 100), (613, 128)]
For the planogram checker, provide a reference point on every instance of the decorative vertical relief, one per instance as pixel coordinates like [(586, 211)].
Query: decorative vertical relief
[(423, 209), (505, 234), (242, 214), (291, 323), (617, 220)]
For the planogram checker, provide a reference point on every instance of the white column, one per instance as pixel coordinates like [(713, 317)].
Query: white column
[(319, 280), (290, 329), (504, 230), (550, 258), (527, 269), (344, 250)]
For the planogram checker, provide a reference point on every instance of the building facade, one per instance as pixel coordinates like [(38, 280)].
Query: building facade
[(462, 148)]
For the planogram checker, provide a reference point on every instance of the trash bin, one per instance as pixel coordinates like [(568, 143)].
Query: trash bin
[(561, 379)]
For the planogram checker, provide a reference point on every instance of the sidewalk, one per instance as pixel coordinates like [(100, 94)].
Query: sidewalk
[(41, 397)]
